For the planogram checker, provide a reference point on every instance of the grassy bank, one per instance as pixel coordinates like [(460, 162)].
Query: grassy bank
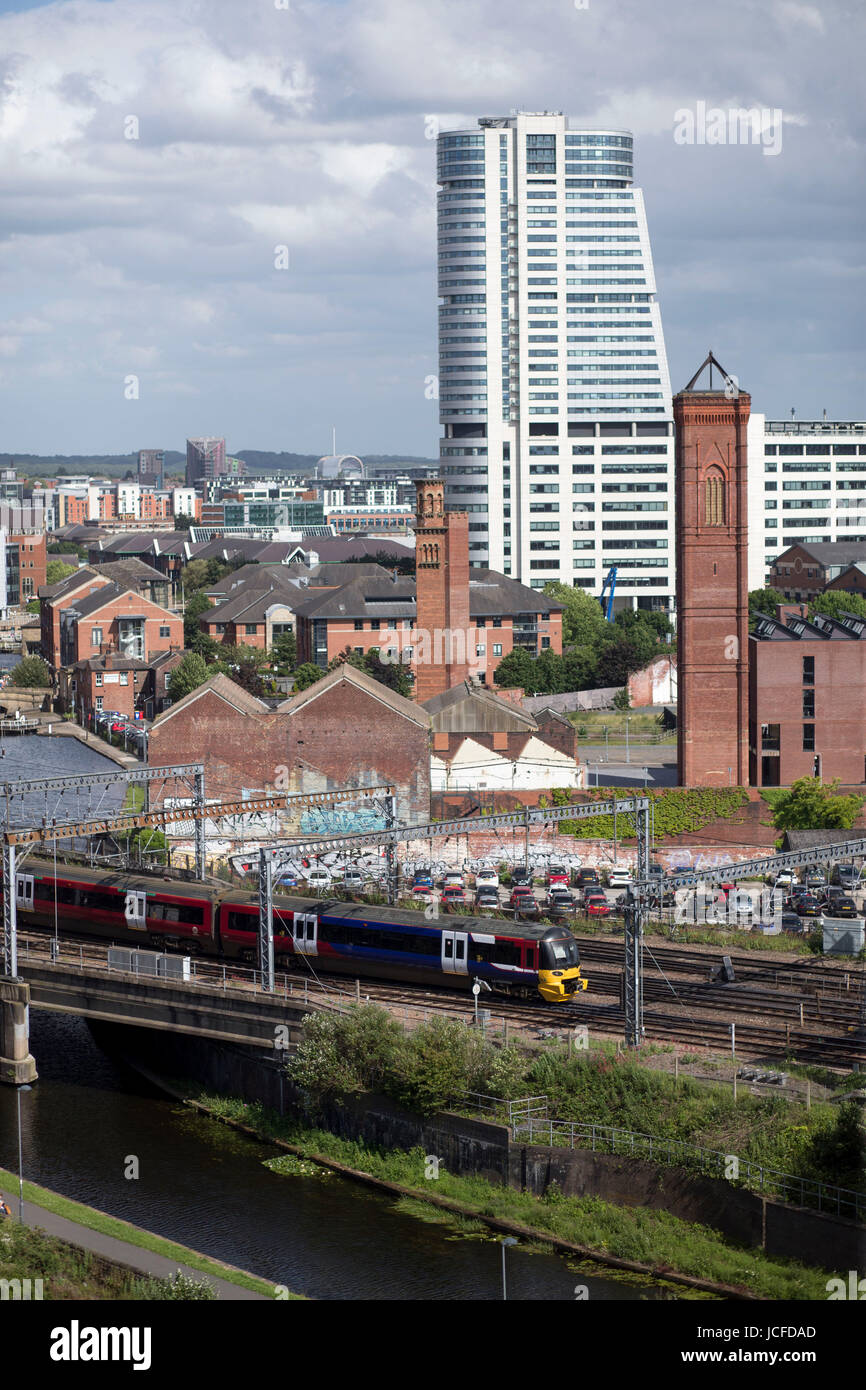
[(653, 1239), (68, 1273), (100, 1221)]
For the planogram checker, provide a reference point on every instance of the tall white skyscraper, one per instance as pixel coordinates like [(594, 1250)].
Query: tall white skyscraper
[(554, 392)]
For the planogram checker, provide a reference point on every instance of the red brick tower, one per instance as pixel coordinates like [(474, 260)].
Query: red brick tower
[(442, 594), (712, 589)]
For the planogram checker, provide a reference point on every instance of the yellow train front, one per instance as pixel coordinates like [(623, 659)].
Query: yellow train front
[(559, 975)]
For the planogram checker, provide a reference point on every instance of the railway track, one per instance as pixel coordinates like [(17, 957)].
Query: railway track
[(754, 1040)]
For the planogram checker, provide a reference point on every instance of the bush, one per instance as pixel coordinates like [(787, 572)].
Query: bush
[(177, 1286)]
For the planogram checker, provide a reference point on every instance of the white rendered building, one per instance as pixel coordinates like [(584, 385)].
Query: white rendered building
[(554, 392), (807, 484)]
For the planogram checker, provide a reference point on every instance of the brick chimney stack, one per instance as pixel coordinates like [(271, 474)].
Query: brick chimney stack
[(442, 592), (712, 571)]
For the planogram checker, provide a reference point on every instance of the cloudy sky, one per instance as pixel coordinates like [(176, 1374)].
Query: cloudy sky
[(262, 123)]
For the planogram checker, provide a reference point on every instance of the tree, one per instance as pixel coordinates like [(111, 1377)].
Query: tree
[(617, 662), (56, 570), (196, 604), (31, 672), (579, 666), (516, 670), (810, 804), (583, 623), (194, 575), (284, 652), (632, 625), (207, 647), (188, 675), (836, 603), (182, 522), (393, 674), (763, 601), (621, 699), (306, 675), (245, 673)]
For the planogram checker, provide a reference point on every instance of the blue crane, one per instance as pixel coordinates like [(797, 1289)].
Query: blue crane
[(607, 609)]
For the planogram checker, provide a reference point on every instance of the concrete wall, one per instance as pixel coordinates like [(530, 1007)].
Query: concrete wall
[(479, 1148)]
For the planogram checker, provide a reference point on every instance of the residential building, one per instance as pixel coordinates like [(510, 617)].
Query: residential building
[(205, 458), (802, 571), (151, 467), (114, 618), (23, 560), (807, 486), (807, 715), (553, 386)]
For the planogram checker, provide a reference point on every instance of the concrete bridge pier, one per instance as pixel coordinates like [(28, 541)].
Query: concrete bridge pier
[(17, 1066)]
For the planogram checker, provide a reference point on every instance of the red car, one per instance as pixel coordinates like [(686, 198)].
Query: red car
[(452, 895), (557, 874), (596, 905)]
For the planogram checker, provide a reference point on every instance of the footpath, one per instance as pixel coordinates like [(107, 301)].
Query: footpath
[(121, 1252)]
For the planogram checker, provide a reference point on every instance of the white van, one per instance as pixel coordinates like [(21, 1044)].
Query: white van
[(318, 879)]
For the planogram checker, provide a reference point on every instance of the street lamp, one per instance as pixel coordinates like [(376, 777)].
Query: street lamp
[(627, 754), (21, 1158), (505, 1240), (606, 754)]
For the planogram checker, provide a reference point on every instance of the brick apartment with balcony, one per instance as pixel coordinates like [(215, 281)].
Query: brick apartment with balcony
[(26, 562), (114, 618), (54, 598), (807, 713)]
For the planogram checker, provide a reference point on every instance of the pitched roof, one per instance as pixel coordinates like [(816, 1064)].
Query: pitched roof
[(828, 552), (371, 598), (416, 714), (816, 839), (86, 575), (494, 594), (470, 708), (221, 686), (251, 605), (132, 569)]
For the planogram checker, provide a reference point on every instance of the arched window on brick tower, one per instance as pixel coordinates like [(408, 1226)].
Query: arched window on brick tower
[(714, 498), (429, 504)]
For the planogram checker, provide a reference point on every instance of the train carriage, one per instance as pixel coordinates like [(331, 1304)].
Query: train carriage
[(350, 938)]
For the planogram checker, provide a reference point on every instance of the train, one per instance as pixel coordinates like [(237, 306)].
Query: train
[(522, 960)]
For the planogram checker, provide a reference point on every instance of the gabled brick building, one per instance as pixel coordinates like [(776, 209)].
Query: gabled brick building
[(113, 618), (346, 730)]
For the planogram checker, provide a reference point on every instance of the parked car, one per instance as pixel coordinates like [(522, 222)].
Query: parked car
[(842, 907), (814, 878), (452, 895), (487, 899), (845, 875), (486, 878), (521, 878), (619, 878), (422, 883), (353, 878), (596, 905), (556, 873), (453, 880), (287, 879), (523, 900), (318, 878), (588, 878), (807, 905), (560, 900), (791, 922)]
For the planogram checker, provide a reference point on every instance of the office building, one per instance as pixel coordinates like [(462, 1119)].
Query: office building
[(554, 393)]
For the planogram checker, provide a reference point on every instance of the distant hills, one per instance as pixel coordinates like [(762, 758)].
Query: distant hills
[(257, 461)]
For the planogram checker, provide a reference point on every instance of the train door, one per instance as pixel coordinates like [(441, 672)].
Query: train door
[(24, 891), (306, 925), (454, 952), (135, 910)]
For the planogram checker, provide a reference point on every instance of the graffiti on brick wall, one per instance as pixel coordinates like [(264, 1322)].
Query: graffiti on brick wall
[(319, 822)]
